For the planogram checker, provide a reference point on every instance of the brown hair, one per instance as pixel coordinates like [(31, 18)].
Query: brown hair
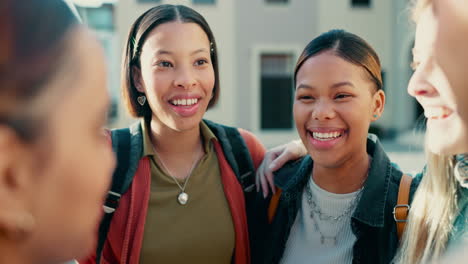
[(348, 46), (136, 38), (30, 56)]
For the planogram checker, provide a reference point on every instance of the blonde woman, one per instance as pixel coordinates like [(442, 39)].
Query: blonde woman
[(439, 214), (450, 47)]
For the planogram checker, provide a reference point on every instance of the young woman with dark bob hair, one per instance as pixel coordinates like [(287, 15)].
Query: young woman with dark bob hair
[(55, 160), (185, 202), (335, 205)]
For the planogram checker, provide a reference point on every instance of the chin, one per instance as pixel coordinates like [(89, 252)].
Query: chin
[(448, 141)]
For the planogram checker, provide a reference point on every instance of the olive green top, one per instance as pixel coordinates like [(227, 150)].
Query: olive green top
[(201, 231)]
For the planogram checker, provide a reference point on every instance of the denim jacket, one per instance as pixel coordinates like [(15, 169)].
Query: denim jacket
[(372, 222)]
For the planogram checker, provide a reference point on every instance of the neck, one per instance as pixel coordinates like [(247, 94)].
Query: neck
[(167, 141), (178, 151), (346, 178)]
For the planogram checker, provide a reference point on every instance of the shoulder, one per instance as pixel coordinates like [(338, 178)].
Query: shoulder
[(292, 172)]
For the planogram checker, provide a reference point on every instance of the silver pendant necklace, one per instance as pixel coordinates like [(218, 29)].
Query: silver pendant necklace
[(183, 197)]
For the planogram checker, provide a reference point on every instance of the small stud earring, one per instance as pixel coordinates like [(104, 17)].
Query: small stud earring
[(141, 100), (375, 116)]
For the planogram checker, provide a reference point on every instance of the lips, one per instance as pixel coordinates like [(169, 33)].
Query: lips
[(325, 138), (437, 112), (185, 106)]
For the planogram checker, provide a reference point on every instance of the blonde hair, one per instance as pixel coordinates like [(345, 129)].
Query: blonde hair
[(435, 202), (432, 213)]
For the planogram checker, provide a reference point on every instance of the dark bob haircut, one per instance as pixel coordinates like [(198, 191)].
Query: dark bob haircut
[(347, 46), (136, 38)]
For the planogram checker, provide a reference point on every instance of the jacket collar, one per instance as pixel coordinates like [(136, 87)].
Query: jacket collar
[(292, 178)]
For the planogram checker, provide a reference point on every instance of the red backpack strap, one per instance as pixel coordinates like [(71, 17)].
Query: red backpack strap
[(401, 209)]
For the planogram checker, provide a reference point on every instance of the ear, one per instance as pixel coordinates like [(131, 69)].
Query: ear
[(378, 105), (16, 186), (137, 80)]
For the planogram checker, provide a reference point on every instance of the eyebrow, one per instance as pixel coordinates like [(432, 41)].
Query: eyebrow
[(162, 52), (336, 85)]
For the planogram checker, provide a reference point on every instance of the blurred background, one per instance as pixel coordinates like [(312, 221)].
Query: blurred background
[(259, 42)]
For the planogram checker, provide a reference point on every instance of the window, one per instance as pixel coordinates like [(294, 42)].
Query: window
[(276, 91), (204, 2), (360, 3), (276, 1)]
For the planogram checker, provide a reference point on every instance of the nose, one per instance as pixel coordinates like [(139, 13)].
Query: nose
[(185, 78), (420, 84), (323, 110)]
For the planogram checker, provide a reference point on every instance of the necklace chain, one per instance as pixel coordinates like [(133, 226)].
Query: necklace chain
[(183, 197), (315, 210), (182, 188)]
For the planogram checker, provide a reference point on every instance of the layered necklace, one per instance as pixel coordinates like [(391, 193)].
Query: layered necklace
[(317, 214), (183, 197)]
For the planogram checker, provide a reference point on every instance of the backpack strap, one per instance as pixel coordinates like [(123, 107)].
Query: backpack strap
[(401, 209), (273, 205), (236, 152), (127, 145)]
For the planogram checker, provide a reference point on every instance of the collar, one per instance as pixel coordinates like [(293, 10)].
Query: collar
[(371, 208), (148, 150)]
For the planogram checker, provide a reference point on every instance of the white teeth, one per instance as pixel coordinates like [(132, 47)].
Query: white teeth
[(436, 112), (184, 102), (326, 136)]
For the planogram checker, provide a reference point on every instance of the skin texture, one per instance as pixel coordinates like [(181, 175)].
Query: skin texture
[(333, 94), (451, 50), (176, 64), (446, 131), (53, 189)]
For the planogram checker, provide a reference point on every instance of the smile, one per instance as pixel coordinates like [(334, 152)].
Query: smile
[(437, 112), (184, 102), (326, 136)]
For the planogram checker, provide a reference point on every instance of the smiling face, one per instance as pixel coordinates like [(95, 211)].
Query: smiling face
[(451, 50), (334, 105), (446, 133), (176, 74)]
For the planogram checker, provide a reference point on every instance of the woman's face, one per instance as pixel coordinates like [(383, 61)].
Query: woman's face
[(68, 190), (176, 74), (446, 133), (333, 108), (451, 50)]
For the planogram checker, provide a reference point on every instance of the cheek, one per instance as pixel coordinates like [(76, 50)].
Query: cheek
[(207, 78), (301, 115)]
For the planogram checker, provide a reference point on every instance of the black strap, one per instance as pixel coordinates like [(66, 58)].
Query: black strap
[(121, 146), (243, 159), (236, 152)]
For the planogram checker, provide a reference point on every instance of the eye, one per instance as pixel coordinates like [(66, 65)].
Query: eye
[(342, 96), (305, 98), (200, 62), (164, 64)]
